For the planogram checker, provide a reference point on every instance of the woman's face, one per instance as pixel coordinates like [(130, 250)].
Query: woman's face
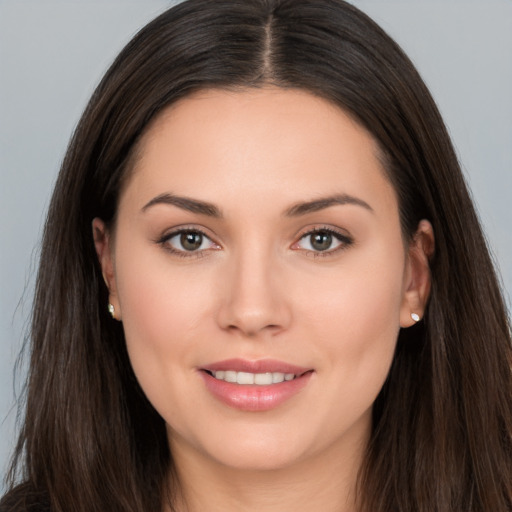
[(258, 240)]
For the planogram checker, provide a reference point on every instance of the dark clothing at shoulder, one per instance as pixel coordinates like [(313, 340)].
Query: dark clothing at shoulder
[(24, 498)]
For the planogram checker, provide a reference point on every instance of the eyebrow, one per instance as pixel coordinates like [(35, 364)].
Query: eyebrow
[(185, 203), (298, 209), (325, 202)]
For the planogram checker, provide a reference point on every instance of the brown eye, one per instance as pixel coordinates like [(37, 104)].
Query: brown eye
[(188, 242), (321, 241), (191, 241)]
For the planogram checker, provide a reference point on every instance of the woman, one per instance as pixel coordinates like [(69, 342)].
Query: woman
[(263, 285)]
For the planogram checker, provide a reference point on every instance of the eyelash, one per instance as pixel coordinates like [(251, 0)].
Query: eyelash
[(344, 240), (164, 242)]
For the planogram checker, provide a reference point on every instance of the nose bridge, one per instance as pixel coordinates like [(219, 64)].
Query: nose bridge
[(253, 299)]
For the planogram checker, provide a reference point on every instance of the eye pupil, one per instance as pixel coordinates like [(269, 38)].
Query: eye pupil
[(321, 241), (191, 241)]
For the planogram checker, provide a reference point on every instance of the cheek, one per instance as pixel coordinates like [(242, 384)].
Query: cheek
[(364, 292), (154, 290), (161, 313), (355, 329), (356, 319)]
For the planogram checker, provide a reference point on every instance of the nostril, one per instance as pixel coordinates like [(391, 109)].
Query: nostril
[(253, 330), (247, 311)]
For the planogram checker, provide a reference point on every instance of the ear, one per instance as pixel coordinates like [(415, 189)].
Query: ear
[(104, 250), (417, 275)]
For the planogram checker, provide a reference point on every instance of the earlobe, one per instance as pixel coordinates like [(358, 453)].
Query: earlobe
[(417, 277), (102, 242)]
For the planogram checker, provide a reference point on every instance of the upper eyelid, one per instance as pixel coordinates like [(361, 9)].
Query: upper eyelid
[(171, 232), (330, 229)]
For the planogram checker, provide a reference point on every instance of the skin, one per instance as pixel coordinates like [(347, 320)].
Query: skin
[(257, 289)]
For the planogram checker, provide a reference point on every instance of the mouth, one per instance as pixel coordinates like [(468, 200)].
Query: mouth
[(255, 385)]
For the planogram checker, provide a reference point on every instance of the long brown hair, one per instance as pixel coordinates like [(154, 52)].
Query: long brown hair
[(442, 424)]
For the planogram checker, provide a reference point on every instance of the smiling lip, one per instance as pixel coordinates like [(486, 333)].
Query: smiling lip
[(254, 397)]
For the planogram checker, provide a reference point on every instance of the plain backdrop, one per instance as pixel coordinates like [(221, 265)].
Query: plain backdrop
[(53, 53)]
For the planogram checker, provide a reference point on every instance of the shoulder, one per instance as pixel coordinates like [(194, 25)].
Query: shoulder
[(24, 498)]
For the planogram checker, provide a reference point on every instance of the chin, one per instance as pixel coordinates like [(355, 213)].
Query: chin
[(256, 459), (248, 448)]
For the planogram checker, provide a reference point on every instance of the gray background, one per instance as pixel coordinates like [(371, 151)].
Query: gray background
[(52, 53)]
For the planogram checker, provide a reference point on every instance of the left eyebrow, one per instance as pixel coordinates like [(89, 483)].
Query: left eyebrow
[(185, 203), (325, 202)]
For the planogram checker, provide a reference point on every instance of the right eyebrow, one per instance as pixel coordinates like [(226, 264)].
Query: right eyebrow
[(326, 202), (185, 203)]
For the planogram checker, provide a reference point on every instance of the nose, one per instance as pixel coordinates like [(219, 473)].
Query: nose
[(254, 301)]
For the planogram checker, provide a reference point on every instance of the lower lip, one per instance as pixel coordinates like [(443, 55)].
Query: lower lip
[(247, 397)]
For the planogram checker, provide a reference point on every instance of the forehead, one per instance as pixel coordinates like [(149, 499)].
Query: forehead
[(271, 141)]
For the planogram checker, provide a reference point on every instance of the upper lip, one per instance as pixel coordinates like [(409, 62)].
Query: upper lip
[(259, 366)]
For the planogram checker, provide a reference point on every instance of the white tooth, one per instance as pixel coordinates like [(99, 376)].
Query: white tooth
[(230, 376), (277, 377), (263, 379), (245, 378)]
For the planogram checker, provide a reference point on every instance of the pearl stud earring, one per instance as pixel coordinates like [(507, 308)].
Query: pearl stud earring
[(415, 317), (111, 310)]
